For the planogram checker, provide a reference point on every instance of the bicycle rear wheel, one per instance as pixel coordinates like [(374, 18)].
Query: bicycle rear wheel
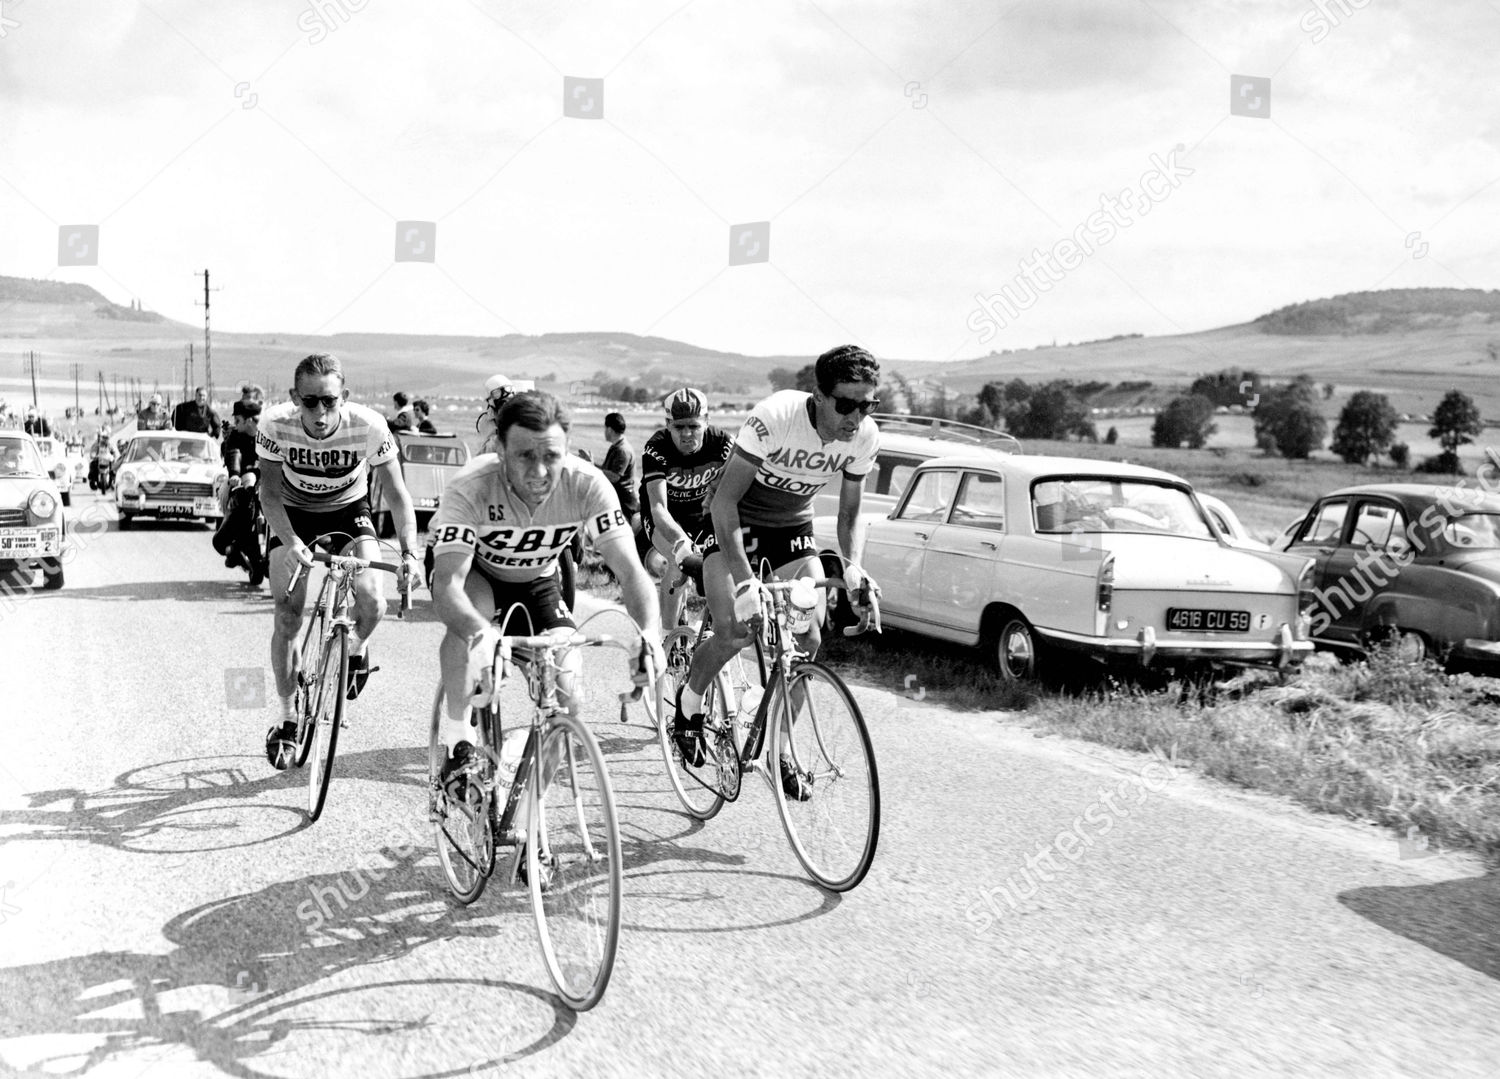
[(465, 837), (699, 800), (323, 738), (833, 832), (573, 862)]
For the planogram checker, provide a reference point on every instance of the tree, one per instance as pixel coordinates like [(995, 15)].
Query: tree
[(1111, 437), (1052, 411), (1453, 424), (782, 378), (1287, 419), (806, 378), (1187, 418), (1366, 426)]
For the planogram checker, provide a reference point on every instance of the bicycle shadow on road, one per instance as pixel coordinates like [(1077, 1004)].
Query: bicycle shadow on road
[(233, 989), (218, 590), (1456, 918)]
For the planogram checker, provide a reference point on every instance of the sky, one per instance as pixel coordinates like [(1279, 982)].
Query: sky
[(933, 179)]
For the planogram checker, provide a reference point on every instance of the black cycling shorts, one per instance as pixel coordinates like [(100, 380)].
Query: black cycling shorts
[(697, 528), (541, 598), (353, 520), (777, 546)]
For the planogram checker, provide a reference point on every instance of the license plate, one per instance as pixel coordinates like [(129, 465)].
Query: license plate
[(1208, 620), (19, 542), (205, 506), (173, 509)]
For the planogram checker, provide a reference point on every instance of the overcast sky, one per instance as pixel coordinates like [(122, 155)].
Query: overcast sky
[(907, 155)]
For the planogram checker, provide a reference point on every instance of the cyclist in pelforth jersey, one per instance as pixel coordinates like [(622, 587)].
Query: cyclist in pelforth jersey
[(500, 527), (316, 453), (791, 446), (679, 466)]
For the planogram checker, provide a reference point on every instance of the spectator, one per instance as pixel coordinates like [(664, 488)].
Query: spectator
[(37, 424), (251, 393), (620, 469), (402, 420), (153, 417), (197, 415), (420, 410)]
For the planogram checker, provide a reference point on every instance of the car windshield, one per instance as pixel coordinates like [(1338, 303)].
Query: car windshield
[(18, 457), (1115, 504), (1473, 531), (167, 449)]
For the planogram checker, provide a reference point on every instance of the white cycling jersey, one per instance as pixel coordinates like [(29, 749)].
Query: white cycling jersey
[(325, 473), (792, 461), (480, 514)]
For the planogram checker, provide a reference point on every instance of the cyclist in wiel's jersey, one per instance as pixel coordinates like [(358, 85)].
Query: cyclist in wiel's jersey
[(500, 527), (791, 446), (316, 454), (679, 466)]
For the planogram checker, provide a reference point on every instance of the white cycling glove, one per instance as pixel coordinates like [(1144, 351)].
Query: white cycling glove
[(481, 674), (747, 600), (681, 549), (855, 579)]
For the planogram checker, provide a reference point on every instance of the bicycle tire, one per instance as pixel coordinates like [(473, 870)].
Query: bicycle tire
[(465, 846), (305, 695), (834, 832), (700, 801), (333, 678), (573, 837)]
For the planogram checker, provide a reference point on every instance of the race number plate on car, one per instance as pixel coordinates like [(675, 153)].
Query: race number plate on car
[(24, 541), (1198, 618), (205, 505)]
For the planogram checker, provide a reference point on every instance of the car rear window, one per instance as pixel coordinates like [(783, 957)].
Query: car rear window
[(1115, 504)]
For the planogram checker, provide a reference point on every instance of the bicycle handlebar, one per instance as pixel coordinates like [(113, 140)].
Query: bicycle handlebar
[(349, 562)]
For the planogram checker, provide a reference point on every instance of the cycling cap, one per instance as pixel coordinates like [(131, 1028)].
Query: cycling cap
[(686, 404)]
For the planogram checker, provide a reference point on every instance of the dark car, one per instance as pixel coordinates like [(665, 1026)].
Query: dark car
[(1409, 564)]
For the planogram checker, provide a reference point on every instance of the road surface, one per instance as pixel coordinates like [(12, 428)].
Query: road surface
[(1037, 906)]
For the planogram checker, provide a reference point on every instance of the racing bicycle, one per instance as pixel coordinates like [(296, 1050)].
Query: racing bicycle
[(556, 809), (788, 707), (323, 664)]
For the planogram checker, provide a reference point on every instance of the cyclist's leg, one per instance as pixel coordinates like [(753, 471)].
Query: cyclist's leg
[(369, 588), (715, 651), (453, 659), (668, 599), (288, 619)]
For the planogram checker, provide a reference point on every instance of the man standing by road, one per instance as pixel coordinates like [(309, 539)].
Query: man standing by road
[(402, 420), (197, 415), (620, 469), (36, 424), (316, 454)]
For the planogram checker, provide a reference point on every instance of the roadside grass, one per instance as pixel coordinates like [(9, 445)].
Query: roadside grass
[(1387, 741)]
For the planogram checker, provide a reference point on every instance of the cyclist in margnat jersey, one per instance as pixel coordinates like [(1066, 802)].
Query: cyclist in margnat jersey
[(316, 454), (500, 527), (679, 466), (791, 446)]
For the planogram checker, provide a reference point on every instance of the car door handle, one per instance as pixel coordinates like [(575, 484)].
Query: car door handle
[(990, 546), (919, 535)]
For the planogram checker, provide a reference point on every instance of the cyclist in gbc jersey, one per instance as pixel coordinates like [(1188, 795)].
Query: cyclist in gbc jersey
[(681, 463), (316, 454), (791, 446), (502, 523)]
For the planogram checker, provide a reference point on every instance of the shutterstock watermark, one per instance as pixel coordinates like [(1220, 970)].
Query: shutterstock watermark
[(1071, 844), (8, 24), (354, 885), (1037, 274), (323, 17), (1323, 17)]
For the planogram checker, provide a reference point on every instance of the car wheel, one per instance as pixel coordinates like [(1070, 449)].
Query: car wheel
[(1013, 650), (52, 574), (124, 522), (1407, 645)]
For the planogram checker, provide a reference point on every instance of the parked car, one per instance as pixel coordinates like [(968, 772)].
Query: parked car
[(1030, 557), (1409, 564), (32, 526), (428, 462), (168, 475), (54, 454), (1229, 523), (907, 441)]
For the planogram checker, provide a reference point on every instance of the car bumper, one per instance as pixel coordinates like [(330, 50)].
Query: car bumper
[(1479, 650), (1147, 650), (197, 507)]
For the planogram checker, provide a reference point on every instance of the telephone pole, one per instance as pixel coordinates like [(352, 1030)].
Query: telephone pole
[(31, 366), (208, 366)]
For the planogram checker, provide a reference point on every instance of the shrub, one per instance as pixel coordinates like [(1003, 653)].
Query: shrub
[(1400, 454)]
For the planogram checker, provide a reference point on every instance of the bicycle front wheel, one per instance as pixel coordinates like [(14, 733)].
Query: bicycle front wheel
[(699, 800), (818, 731), (305, 692), (465, 834), (323, 738), (573, 862)]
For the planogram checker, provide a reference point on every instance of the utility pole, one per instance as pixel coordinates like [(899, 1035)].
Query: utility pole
[(77, 405), (208, 363)]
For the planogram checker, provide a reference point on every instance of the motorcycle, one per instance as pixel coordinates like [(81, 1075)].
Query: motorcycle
[(242, 537), (102, 470)]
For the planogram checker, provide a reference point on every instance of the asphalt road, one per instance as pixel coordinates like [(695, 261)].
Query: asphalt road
[(162, 901)]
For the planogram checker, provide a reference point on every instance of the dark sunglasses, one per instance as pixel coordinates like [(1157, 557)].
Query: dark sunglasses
[(845, 405), (312, 400)]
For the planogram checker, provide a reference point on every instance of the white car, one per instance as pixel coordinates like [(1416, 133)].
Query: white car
[(1034, 557), (168, 474), (54, 456), (1229, 524), (33, 528)]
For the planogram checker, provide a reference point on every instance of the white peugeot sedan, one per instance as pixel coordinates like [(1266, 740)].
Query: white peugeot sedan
[(1032, 558), (168, 474)]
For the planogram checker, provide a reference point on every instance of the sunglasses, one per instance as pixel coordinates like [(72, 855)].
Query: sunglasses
[(845, 405), (311, 401)]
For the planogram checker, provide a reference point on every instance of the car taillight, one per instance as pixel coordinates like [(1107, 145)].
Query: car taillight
[(1307, 598), (1107, 583)]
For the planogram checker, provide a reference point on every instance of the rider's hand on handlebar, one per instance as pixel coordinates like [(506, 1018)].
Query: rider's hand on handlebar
[(303, 554), (747, 600), (411, 570), (651, 650), (864, 596), (482, 667), (682, 550)]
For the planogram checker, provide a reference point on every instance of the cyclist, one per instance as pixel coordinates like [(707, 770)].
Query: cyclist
[(790, 447), (501, 525), (316, 454), (679, 466)]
